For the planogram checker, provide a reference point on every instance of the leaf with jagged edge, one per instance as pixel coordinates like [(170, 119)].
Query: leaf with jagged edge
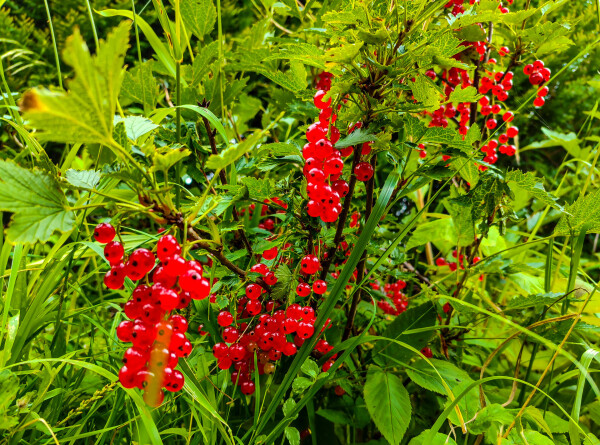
[(84, 114), (585, 211), (529, 183), (140, 86), (388, 403), (302, 52), (164, 161), (83, 179), (37, 202), (468, 94), (258, 189), (136, 126), (199, 16), (359, 136), (446, 136), (233, 152), (202, 62), (425, 92)]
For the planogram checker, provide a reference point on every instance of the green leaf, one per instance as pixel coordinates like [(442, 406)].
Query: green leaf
[(388, 403), (306, 53), (425, 376), (284, 289), (425, 92), (83, 179), (136, 126), (585, 211), (199, 16), (259, 189), (234, 152), (335, 416), (468, 94), (294, 79), (439, 439), (437, 231), (164, 161), (556, 45), (84, 114), (529, 183), (300, 384), (292, 435), (446, 136), (279, 149), (418, 317), (310, 368), (533, 300), (359, 136), (39, 205), (201, 65), (288, 407), (9, 387), (140, 86), (490, 415)]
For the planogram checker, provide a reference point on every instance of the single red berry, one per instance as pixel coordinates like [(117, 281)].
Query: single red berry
[(142, 259), (303, 289), (310, 264), (270, 253), (115, 277), (166, 247), (124, 331), (230, 334), (319, 287), (113, 252), (319, 102), (253, 291), (104, 233), (363, 171), (512, 132), (491, 123), (247, 387), (224, 318), (539, 101), (426, 351)]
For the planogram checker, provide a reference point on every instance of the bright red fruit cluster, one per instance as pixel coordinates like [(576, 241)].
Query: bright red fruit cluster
[(394, 292), (263, 329), (157, 334)]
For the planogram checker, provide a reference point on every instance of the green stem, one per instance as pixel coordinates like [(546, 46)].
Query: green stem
[(178, 130), (91, 16), (54, 44)]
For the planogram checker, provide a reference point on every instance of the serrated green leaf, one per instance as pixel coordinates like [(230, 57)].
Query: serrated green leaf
[(439, 439), (529, 183), (136, 126), (140, 86), (425, 92), (288, 407), (306, 53), (84, 114), (164, 161), (300, 384), (425, 376), (533, 300), (310, 368), (468, 94), (39, 205), (359, 136), (83, 179), (202, 62), (233, 152), (9, 387), (286, 284), (556, 45), (259, 189), (584, 211), (439, 230), (489, 416), (278, 149), (388, 403), (199, 16), (292, 435), (422, 316)]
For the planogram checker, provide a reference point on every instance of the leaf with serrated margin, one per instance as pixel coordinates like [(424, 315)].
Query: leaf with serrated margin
[(83, 179), (468, 94), (302, 52), (164, 161), (446, 136), (359, 136), (136, 126), (533, 300), (528, 182), (388, 403), (202, 62), (425, 92), (259, 189), (199, 16), (585, 211), (286, 284), (140, 86), (278, 149), (233, 152), (424, 375), (84, 114), (39, 205)]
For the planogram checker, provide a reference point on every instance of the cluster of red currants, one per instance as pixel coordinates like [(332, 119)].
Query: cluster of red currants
[(459, 8), (268, 223), (264, 331), (156, 333), (394, 292), (323, 162), (459, 262), (538, 74)]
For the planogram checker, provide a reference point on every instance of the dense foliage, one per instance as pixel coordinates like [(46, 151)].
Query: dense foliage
[(323, 222)]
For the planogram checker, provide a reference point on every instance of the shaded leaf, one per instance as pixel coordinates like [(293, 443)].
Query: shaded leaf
[(83, 179)]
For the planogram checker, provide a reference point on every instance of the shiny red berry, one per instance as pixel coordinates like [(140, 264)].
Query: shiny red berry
[(104, 233), (363, 171)]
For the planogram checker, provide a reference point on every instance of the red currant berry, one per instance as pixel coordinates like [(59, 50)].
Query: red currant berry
[(303, 289), (253, 291), (113, 252), (124, 331), (104, 233), (248, 388), (319, 102), (270, 253), (166, 247), (319, 287), (363, 171), (310, 264), (224, 318), (115, 277), (539, 101)]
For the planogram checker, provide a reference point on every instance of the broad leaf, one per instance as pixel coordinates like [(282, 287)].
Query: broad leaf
[(388, 403), (84, 114), (359, 136), (39, 205), (199, 16), (140, 86), (136, 126), (584, 211), (83, 179), (425, 376), (528, 182)]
